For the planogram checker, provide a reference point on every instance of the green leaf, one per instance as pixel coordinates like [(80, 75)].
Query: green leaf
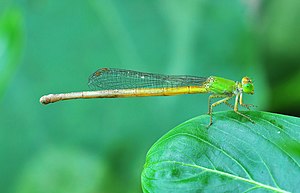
[(232, 155)]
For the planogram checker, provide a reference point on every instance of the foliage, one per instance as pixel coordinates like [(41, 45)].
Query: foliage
[(53, 46), (233, 155)]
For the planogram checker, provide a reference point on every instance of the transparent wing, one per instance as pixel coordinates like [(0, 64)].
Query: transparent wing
[(112, 78)]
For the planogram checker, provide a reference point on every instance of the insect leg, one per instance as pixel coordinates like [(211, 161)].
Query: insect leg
[(224, 100)]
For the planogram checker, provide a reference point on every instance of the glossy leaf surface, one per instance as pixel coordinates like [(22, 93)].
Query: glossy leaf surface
[(233, 155)]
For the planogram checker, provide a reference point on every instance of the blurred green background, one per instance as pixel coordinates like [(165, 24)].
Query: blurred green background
[(88, 146)]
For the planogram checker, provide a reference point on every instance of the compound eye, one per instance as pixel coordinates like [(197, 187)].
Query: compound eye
[(248, 88), (246, 80)]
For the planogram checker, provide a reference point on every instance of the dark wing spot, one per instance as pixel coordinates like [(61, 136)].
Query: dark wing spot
[(97, 73)]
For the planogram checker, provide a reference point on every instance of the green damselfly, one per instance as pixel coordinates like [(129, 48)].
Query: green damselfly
[(117, 83)]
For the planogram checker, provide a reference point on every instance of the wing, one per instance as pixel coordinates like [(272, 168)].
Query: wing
[(112, 78)]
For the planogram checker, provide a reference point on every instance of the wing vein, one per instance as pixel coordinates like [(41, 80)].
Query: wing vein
[(113, 78)]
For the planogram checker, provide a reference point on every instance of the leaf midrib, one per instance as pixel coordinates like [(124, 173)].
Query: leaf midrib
[(229, 176)]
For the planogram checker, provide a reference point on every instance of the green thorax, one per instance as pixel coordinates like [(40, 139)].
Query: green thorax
[(220, 85)]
